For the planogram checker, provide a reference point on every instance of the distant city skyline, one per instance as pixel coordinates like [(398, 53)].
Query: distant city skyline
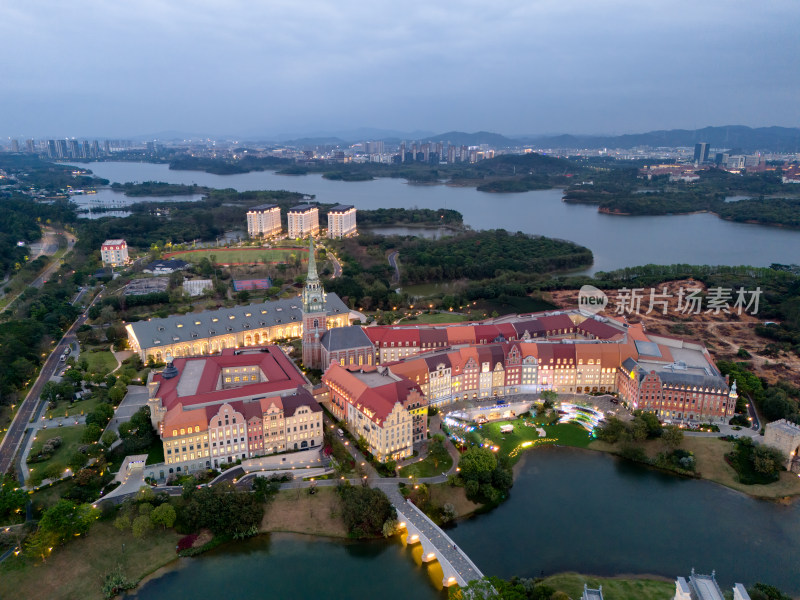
[(278, 70)]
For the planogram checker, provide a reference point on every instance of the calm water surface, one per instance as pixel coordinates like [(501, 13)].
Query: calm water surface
[(293, 567), (576, 510), (616, 241)]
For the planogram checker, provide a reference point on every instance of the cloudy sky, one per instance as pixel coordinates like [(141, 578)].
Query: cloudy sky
[(268, 67)]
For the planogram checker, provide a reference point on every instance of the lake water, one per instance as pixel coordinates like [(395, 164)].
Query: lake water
[(569, 510), (106, 198), (290, 567), (576, 510), (616, 241)]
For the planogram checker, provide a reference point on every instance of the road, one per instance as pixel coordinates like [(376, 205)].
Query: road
[(393, 263), (49, 270), (337, 267), (11, 442)]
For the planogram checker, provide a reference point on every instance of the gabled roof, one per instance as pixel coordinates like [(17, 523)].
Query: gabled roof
[(345, 338), (224, 321)]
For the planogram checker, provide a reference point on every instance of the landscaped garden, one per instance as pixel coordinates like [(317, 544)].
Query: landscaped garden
[(53, 451)]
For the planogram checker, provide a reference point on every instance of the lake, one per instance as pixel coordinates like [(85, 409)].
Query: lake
[(577, 510), (617, 241), (569, 510), (287, 566)]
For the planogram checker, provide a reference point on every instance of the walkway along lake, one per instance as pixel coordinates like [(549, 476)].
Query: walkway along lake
[(616, 241)]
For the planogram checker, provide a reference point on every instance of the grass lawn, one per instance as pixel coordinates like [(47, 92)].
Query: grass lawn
[(710, 456), (618, 588), (102, 361), (439, 317), (47, 496), (298, 511), (70, 440), (443, 493), (81, 407), (242, 255), (426, 468), (76, 570), (524, 437)]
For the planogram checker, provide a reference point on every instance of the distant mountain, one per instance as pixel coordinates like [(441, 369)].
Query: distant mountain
[(459, 138), (748, 139)]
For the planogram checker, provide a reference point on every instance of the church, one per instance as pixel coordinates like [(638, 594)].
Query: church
[(309, 316)]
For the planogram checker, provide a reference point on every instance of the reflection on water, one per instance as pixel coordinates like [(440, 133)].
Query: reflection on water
[(291, 566)]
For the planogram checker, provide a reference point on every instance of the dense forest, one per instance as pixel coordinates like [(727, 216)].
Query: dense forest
[(622, 191), (158, 188), (486, 254), (504, 173)]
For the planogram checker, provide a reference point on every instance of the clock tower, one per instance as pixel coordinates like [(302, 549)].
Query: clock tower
[(314, 315)]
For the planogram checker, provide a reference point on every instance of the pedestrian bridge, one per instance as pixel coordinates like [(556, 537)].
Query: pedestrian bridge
[(436, 544)]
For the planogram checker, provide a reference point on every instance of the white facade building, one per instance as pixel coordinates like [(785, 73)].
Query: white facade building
[(114, 253), (342, 221), (264, 221), (303, 220)]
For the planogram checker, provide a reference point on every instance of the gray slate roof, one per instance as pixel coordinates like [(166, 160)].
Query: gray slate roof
[(186, 328), (302, 208), (340, 208), (263, 207), (344, 338)]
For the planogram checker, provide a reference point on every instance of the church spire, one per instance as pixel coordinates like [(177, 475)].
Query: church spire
[(312, 261)]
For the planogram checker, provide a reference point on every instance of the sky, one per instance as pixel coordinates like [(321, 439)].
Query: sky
[(256, 68)]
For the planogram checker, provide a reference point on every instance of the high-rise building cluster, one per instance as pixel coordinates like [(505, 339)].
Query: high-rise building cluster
[(302, 221)]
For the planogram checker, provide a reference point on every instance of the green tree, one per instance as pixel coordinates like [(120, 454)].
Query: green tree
[(364, 509), (108, 438), (12, 498), (437, 451), (767, 460), (91, 433), (141, 526), (65, 519), (122, 522), (477, 464), (671, 437), (164, 515)]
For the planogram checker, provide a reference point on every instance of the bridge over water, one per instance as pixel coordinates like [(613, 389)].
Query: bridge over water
[(436, 544)]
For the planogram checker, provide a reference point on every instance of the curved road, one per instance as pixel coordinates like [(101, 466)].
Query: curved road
[(393, 263), (16, 431)]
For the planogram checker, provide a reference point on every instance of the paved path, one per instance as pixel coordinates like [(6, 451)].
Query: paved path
[(135, 398), (393, 263)]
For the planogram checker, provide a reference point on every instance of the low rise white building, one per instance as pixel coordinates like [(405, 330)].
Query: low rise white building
[(114, 253)]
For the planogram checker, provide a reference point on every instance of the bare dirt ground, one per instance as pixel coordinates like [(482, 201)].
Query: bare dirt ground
[(298, 511), (723, 334)]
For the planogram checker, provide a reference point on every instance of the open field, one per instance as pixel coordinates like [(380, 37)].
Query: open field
[(438, 317), (57, 463), (525, 438), (710, 456), (426, 468), (76, 570), (442, 493), (624, 587), (102, 361), (240, 256), (298, 511)]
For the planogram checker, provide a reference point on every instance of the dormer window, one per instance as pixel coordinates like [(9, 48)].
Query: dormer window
[(179, 325)]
